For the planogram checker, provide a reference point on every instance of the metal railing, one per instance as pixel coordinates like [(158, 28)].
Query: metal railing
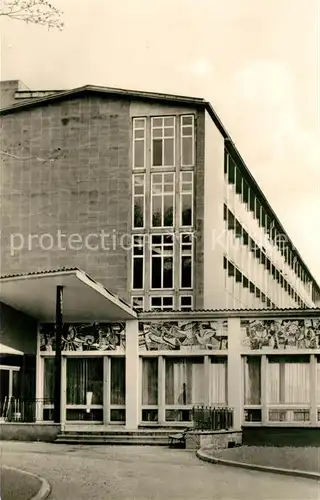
[(212, 418), (21, 410)]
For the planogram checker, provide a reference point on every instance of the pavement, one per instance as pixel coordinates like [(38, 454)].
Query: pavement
[(16, 485), (83, 472)]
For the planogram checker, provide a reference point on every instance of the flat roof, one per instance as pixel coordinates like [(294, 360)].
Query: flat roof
[(84, 299)]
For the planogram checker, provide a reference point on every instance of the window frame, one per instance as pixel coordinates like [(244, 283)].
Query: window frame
[(163, 193), (163, 245), (162, 308), (188, 136), (163, 127), (186, 255), (182, 193), (139, 139), (133, 257), (134, 196)]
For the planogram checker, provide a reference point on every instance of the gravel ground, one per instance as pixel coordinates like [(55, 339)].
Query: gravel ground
[(85, 472), (18, 486), (304, 459)]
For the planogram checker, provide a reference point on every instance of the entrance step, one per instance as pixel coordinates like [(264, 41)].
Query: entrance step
[(143, 437)]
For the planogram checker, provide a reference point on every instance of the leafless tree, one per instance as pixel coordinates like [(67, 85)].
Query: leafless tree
[(32, 11)]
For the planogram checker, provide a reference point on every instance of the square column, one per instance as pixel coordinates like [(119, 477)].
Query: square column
[(132, 375), (235, 386)]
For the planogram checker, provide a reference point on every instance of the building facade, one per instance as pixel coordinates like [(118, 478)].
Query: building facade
[(148, 195)]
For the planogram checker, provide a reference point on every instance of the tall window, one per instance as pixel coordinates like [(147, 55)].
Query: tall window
[(138, 189), (288, 380), (162, 261), (162, 192), (139, 142), (186, 254), (218, 381), (49, 374), (186, 198), (252, 381), (187, 141), (162, 136), (185, 386), (150, 390), (138, 262), (161, 303)]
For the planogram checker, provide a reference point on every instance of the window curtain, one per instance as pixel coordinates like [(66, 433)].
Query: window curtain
[(184, 382), (150, 381), (218, 382), (288, 381), (49, 369), (118, 382), (252, 381), (84, 375)]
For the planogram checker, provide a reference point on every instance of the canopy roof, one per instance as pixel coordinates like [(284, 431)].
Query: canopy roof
[(84, 299)]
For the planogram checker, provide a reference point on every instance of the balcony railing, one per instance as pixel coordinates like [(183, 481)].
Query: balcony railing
[(212, 418), (22, 410)]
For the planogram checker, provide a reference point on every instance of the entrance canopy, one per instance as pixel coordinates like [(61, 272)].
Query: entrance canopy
[(84, 300), (6, 350)]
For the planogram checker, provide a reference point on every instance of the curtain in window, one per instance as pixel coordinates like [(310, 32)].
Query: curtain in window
[(184, 382), (218, 382), (252, 381), (84, 375), (118, 382), (150, 381), (288, 381), (49, 368)]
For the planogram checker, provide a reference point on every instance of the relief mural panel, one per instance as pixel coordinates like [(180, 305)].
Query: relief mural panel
[(282, 334), (183, 335), (84, 337)]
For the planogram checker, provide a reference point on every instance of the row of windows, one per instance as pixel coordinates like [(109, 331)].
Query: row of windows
[(163, 200), (161, 254), (234, 176), (239, 277), (163, 303), (163, 139), (259, 254)]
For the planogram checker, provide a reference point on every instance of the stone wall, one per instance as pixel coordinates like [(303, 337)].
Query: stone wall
[(212, 439)]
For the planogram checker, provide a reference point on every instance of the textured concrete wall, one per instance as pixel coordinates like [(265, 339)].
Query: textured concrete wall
[(84, 191), (216, 439), (29, 432)]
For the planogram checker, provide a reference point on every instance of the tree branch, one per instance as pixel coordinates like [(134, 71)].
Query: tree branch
[(32, 11)]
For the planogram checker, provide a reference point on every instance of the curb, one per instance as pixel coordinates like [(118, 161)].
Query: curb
[(44, 490), (261, 468)]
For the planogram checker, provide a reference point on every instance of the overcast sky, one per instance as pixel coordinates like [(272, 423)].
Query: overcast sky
[(257, 61)]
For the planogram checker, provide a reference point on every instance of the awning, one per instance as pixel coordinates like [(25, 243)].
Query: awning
[(4, 349), (84, 299)]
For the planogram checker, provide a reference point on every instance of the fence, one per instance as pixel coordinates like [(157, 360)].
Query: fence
[(212, 418), (20, 410)]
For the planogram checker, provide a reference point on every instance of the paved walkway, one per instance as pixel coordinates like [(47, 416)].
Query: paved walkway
[(146, 473)]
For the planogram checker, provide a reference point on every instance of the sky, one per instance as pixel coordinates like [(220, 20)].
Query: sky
[(256, 61)]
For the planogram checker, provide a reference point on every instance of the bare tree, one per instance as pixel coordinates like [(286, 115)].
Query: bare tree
[(32, 11)]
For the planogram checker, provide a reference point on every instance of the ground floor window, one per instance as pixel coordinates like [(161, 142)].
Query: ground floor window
[(171, 386), (285, 393)]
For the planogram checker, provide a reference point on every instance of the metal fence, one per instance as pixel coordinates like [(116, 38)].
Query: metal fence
[(21, 410), (212, 418)]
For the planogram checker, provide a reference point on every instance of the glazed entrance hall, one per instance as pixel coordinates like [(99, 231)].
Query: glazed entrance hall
[(151, 369)]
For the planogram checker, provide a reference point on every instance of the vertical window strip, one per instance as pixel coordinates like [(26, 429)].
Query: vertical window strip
[(162, 261), (186, 260), (163, 141), (186, 198), (162, 200), (139, 143), (138, 262), (187, 140), (138, 201)]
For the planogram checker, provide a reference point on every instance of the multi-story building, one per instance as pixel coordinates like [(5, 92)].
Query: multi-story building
[(148, 195)]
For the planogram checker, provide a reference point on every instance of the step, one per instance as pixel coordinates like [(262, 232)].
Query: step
[(115, 441), (155, 433)]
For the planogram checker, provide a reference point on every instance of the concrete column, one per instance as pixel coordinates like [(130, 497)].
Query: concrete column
[(63, 391), (106, 390), (235, 389), (161, 390), (313, 391), (132, 375), (264, 390), (39, 380)]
